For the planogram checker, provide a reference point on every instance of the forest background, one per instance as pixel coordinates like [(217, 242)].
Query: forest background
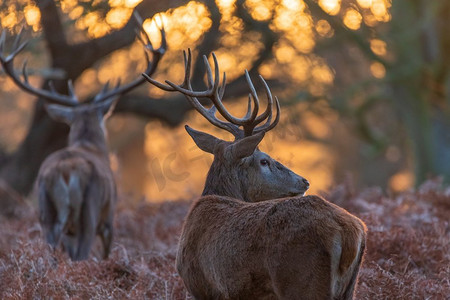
[(364, 87)]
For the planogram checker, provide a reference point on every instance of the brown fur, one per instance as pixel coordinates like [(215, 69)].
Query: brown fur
[(243, 239), (274, 249), (249, 238), (77, 191)]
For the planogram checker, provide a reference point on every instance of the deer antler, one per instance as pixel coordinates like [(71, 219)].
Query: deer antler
[(72, 100), (215, 93), (8, 65), (151, 65)]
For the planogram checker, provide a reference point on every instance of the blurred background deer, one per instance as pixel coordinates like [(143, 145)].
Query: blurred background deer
[(252, 234), (76, 187)]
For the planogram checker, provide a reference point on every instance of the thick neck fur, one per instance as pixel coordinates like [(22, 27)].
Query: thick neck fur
[(223, 180), (88, 135)]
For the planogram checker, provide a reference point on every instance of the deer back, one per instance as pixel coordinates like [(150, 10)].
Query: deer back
[(292, 248), (77, 190)]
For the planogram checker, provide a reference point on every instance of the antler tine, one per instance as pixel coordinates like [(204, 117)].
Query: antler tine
[(139, 23), (267, 125), (267, 114), (163, 35), (117, 84), (168, 87), (268, 110), (17, 39), (51, 85), (215, 93), (24, 71), (151, 64), (213, 83), (222, 87), (209, 114), (2, 43), (186, 89), (187, 69), (8, 66), (71, 89), (212, 92), (249, 107), (254, 96), (102, 94)]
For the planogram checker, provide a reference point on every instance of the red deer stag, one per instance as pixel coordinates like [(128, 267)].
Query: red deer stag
[(76, 187), (252, 234)]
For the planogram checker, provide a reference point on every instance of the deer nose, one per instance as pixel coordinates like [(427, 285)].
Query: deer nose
[(305, 182)]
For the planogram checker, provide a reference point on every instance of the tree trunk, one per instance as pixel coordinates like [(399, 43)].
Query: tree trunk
[(44, 137)]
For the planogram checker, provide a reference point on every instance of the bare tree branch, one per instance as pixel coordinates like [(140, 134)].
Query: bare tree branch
[(341, 29), (208, 44), (269, 37)]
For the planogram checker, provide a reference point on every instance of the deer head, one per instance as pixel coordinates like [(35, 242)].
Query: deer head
[(239, 170)]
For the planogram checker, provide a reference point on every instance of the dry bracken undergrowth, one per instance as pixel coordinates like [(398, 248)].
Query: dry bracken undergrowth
[(407, 256)]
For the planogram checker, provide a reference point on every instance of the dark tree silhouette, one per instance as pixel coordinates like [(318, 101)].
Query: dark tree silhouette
[(44, 136)]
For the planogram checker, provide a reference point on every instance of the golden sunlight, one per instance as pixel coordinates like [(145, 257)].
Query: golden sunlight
[(9, 20), (324, 28), (186, 25), (76, 12), (364, 3), (284, 54), (378, 70), (316, 126), (178, 172), (152, 27), (226, 8), (331, 7), (378, 47), (260, 10), (32, 16), (322, 74), (379, 10), (401, 181), (132, 3), (225, 4), (352, 19), (297, 5), (124, 3), (117, 17), (89, 20), (68, 5)]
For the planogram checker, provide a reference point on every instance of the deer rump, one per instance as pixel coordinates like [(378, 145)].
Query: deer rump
[(77, 195), (291, 248)]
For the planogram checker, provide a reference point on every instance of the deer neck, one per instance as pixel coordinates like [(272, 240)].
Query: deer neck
[(224, 182), (91, 139)]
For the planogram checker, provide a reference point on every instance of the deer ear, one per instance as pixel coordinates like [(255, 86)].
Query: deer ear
[(60, 113), (246, 146), (204, 141)]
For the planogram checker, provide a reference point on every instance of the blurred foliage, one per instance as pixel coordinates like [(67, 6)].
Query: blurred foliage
[(378, 69)]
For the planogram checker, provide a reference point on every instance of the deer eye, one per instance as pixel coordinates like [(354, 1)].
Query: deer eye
[(264, 162)]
